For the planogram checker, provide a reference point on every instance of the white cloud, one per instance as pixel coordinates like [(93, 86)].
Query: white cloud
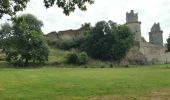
[(149, 11)]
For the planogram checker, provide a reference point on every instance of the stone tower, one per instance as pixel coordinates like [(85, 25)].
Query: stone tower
[(133, 23), (155, 36)]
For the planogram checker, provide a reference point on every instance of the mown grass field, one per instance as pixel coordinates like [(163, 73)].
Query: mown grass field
[(50, 83)]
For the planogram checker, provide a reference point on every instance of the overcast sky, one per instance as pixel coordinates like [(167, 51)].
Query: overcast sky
[(149, 11)]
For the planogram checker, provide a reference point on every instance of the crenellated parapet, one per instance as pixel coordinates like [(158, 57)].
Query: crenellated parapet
[(133, 23), (131, 17), (155, 36), (156, 28)]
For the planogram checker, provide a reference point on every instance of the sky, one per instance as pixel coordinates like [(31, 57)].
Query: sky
[(149, 12)]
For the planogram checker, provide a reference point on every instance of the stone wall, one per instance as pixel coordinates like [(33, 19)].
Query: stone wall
[(63, 35), (52, 37), (147, 53), (70, 34), (135, 27), (133, 23), (155, 53), (135, 57), (156, 38)]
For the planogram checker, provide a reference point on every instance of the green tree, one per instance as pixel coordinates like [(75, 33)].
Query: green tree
[(123, 41), (27, 44), (168, 44), (108, 41), (5, 32), (10, 7)]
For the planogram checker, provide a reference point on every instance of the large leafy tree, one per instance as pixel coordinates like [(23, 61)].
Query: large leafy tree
[(108, 41), (27, 43), (10, 7)]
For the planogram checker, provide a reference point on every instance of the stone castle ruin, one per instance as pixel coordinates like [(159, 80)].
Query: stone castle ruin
[(155, 36), (152, 52)]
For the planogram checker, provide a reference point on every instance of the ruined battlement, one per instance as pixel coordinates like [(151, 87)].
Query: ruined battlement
[(155, 36), (156, 28), (131, 17), (133, 23), (152, 52)]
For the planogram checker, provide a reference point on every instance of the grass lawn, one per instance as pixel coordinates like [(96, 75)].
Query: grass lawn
[(146, 83)]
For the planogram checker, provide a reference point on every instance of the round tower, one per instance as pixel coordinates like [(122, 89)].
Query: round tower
[(155, 36), (133, 23)]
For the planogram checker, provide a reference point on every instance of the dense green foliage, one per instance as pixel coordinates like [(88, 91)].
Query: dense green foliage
[(68, 5), (26, 44), (70, 43), (108, 41), (10, 7), (168, 44), (5, 32), (77, 58), (141, 83)]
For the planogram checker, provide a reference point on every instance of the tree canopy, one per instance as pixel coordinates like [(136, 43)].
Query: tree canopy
[(26, 44), (168, 44), (5, 32), (10, 7), (108, 41)]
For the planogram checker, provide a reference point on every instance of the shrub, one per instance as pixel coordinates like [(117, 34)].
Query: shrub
[(77, 58), (66, 44), (82, 58), (72, 58), (111, 65), (70, 43)]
